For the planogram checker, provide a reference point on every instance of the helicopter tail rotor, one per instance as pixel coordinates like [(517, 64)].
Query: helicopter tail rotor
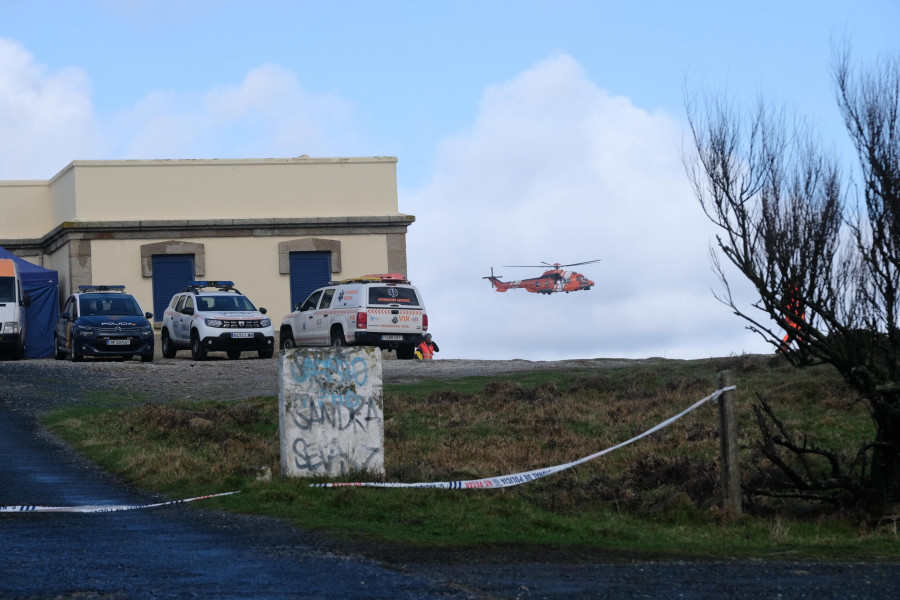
[(498, 285), (492, 276)]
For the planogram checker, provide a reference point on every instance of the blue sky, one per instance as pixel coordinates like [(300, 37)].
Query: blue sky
[(526, 132)]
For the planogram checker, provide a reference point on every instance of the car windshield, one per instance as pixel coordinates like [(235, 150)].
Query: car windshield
[(225, 303), (7, 289), (108, 304), (392, 294)]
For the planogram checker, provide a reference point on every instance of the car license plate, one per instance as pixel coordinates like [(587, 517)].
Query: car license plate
[(241, 335), (117, 342), (392, 338)]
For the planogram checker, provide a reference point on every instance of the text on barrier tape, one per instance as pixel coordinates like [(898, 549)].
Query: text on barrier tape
[(102, 508), (528, 476)]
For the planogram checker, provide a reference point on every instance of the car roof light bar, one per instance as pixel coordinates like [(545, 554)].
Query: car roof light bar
[(375, 278), (222, 285), (101, 288)]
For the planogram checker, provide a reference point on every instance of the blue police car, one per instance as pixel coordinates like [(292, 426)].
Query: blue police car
[(103, 321)]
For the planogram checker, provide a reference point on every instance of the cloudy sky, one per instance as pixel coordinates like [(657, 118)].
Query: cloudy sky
[(527, 131)]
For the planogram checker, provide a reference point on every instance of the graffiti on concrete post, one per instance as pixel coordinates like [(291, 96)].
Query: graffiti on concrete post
[(331, 411)]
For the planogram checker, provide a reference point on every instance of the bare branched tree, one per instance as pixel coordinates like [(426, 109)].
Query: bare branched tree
[(824, 256)]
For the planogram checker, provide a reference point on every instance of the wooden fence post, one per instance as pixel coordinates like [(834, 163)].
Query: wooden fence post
[(728, 447)]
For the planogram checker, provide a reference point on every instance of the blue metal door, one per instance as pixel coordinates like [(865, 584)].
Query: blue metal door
[(309, 270), (171, 274)]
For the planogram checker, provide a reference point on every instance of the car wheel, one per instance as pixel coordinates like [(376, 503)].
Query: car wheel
[(406, 352), (198, 352), (337, 338), (59, 354), (287, 342), (266, 353), (76, 355), (234, 354), (146, 358), (168, 348)]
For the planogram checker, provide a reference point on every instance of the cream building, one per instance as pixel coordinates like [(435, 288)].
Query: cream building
[(278, 228)]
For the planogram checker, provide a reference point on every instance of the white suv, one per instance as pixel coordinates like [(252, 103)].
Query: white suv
[(211, 316), (374, 310)]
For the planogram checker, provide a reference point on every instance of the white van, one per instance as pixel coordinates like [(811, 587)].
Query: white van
[(13, 301), (383, 310)]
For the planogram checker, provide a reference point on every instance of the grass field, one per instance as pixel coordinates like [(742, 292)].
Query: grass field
[(656, 497)]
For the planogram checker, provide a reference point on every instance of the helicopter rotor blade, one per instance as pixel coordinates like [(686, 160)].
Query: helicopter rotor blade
[(587, 262), (544, 266), (555, 265)]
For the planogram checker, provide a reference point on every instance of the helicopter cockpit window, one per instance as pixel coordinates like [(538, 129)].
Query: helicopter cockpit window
[(390, 294)]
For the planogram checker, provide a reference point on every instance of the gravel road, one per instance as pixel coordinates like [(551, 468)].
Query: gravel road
[(165, 379)]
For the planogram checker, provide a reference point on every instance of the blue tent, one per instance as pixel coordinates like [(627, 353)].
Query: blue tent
[(40, 317)]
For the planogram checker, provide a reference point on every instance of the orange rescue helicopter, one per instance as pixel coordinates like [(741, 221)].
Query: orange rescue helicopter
[(553, 280)]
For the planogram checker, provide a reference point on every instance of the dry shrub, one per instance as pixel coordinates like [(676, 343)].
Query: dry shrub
[(242, 413), (701, 432), (445, 397), (516, 392), (653, 482), (162, 416), (696, 478), (746, 363), (509, 428), (226, 442), (594, 384)]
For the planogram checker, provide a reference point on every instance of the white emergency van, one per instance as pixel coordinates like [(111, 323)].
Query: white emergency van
[(383, 310), (13, 301)]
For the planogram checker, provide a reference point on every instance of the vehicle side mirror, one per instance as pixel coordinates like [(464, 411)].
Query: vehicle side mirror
[(262, 310), (148, 315), (187, 311), (26, 300)]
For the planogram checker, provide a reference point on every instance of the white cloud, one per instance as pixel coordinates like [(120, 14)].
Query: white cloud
[(555, 169), (46, 118), (268, 114)]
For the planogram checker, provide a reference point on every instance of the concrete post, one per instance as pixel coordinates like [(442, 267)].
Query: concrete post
[(330, 410)]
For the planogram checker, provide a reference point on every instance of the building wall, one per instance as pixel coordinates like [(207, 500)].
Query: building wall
[(233, 189), (62, 193), (59, 262), (253, 266), (25, 209), (100, 222)]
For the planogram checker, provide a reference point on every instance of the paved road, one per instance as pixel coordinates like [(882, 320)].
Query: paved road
[(170, 552)]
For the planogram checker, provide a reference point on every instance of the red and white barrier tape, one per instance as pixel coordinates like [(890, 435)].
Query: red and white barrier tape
[(528, 476), (102, 508)]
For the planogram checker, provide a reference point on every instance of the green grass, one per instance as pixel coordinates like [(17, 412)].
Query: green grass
[(657, 497)]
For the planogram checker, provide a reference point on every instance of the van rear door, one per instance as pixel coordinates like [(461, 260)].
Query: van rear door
[(394, 310)]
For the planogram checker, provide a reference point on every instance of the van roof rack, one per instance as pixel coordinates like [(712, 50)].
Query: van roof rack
[(221, 285), (374, 278), (101, 288)]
